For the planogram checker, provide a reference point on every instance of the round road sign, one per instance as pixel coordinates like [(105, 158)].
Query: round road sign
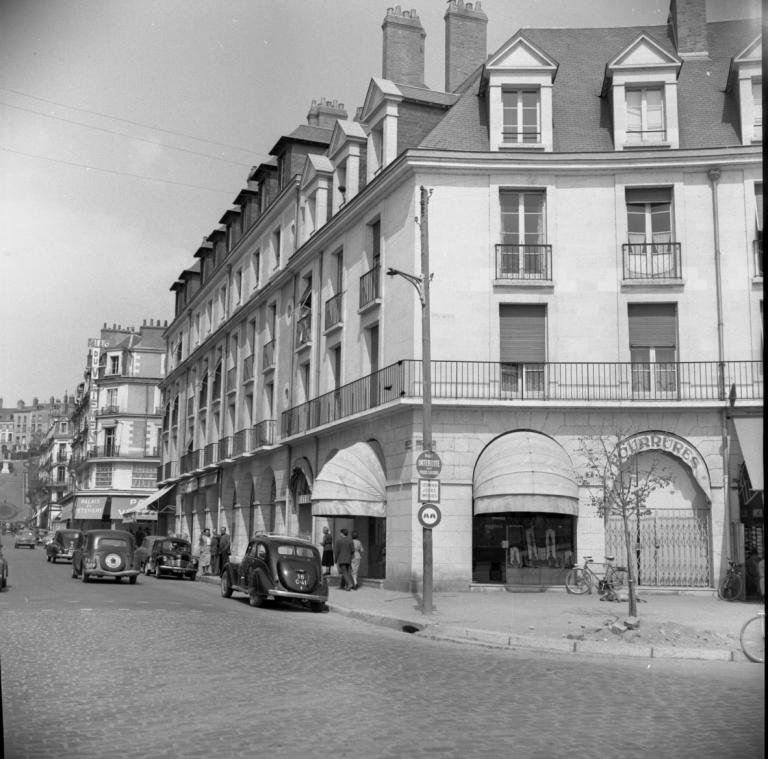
[(429, 515), (428, 464)]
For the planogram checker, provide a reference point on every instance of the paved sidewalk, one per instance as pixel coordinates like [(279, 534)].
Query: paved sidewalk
[(680, 625)]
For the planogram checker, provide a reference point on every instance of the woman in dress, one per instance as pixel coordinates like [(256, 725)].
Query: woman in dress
[(356, 556), (327, 545), (205, 551)]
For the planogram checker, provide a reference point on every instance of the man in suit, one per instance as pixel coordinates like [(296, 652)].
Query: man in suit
[(345, 549), (224, 548), (215, 565)]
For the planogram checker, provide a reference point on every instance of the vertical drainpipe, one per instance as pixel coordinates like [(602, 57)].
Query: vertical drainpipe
[(714, 177)]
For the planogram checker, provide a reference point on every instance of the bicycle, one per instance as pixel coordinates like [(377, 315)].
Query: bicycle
[(583, 579), (752, 638), (731, 585)]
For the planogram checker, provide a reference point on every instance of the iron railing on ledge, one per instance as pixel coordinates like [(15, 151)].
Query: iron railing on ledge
[(268, 355), (248, 368), (369, 286), (333, 311), (583, 382), (524, 262), (758, 248), (303, 331), (652, 260)]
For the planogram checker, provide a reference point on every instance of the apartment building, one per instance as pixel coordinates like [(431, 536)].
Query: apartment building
[(115, 428), (54, 463), (595, 241)]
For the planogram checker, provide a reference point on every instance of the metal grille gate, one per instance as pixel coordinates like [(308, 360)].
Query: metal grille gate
[(674, 547)]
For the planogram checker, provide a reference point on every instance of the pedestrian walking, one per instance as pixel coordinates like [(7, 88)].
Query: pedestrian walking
[(357, 554), (140, 535), (205, 551), (345, 548), (225, 545), (327, 545), (215, 564)]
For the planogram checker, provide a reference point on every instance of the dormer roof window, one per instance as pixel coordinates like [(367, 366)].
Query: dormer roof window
[(314, 189), (347, 142), (380, 114), (745, 80), (519, 78), (641, 81)]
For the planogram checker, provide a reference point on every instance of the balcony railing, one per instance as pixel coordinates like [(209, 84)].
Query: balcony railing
[(652, 260), (116, 451), (487, 381), (190, 461), (110, 409), (225, 448), (190, 406), (232, 379), (758, 249), (210, 454), (268, 355), (304, 331), (369, 286), (524, 262), (333, 311), (240, 442)]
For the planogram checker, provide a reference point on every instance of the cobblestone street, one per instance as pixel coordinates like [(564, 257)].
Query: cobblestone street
[(169, 668)]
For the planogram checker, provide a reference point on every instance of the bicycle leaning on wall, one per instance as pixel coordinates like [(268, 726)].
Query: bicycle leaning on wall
[(752, 638), (584, 579), (731, 585)]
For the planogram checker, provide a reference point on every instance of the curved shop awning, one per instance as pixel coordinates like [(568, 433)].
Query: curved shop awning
[(352, 483), (150, 503), (525, 471)]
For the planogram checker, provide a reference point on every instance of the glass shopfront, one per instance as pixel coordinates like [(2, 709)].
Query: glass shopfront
[(523, 548)]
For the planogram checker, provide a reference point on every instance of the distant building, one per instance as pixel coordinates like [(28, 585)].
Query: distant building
[(23, 426), (595, 235), (115, 424)]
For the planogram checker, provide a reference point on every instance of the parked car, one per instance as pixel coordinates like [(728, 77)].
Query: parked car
[(172, 556), (25, 538), (63, 545), (142, 552), (3, 570), (277, 567), (105, 553)]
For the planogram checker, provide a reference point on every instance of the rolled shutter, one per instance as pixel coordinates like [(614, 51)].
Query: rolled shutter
[(649, 195), (523, 333), (652, 325)]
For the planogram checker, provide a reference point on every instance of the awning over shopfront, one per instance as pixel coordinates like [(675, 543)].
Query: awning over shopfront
[(90, 506), (750, 435), (120, 504), (352, 483), (66, 512), (525, 471), (150, 504)]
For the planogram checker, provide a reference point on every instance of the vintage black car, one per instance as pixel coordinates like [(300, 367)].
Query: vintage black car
[(105, 553), (141, 557), (63, 545), (171, 556), (277, 567)]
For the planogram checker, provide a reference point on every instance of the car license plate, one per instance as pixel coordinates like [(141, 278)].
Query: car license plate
[(301, 580)]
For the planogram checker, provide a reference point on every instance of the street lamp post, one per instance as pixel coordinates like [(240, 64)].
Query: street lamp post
[(421, 284)]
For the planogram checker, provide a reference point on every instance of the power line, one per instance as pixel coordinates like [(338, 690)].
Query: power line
[(114, 171), (121, 134), (128, 121)]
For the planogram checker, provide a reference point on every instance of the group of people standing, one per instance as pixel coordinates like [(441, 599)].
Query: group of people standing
[(214, 551), (346, 555)]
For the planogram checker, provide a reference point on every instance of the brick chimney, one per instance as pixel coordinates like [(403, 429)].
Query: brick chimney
[(403, 53), (326, 113), (466, 41), (689, 27)]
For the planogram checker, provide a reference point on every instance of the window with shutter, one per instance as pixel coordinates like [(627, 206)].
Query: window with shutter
[(653, 348), (522, 330)]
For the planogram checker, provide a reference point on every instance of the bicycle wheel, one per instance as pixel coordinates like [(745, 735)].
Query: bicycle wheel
[(617, 578), (730, 588), (577, 581), (752, 638)]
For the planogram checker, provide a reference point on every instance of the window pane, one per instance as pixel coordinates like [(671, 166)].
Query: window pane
[(634, 110), (661, 222), (636, 222), (510, 218)]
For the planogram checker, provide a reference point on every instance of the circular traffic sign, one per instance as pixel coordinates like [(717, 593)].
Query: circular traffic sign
[(429, 515), (428, 464)]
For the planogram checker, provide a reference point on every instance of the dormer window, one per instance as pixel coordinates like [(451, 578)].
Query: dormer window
[(757, 110), (746, 83), (645, 116), (522, 115)]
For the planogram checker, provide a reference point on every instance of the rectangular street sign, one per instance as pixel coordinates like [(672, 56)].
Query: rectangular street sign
[(429, 491)]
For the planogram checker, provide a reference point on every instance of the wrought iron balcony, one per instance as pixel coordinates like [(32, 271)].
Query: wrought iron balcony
[(232, 379), (758, 251), (652, 260), (190, 406), (248, 368), (110, 409), (333, 311), (488, 381), (369, 287), (524, 262), (304, 331), (211, 454), (268, 355)]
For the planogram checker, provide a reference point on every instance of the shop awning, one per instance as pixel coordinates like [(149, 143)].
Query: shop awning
[(66, 512), (525, 471), (90, 506), (352, 483), (150, 503), (121, 504), (750, 434)]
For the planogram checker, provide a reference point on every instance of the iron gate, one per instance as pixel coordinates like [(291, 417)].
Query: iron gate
[(671, 548)]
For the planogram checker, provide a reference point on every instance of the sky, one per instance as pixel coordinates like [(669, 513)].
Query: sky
[(128, 127)]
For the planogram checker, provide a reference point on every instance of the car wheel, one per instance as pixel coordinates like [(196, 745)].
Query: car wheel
[(317, 606), (118, 578), (192, 577), (133, 579), (85, 576), (158, 573), (226, 586), (255, 599), (147, 570)]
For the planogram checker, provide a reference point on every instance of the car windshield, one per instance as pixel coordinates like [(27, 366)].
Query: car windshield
[(112, 543), (172, 546), (290, 550)]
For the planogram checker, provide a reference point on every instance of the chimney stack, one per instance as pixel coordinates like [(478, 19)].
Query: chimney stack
[(466, 41), (403, 51), (326, 113), (689, 27)]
